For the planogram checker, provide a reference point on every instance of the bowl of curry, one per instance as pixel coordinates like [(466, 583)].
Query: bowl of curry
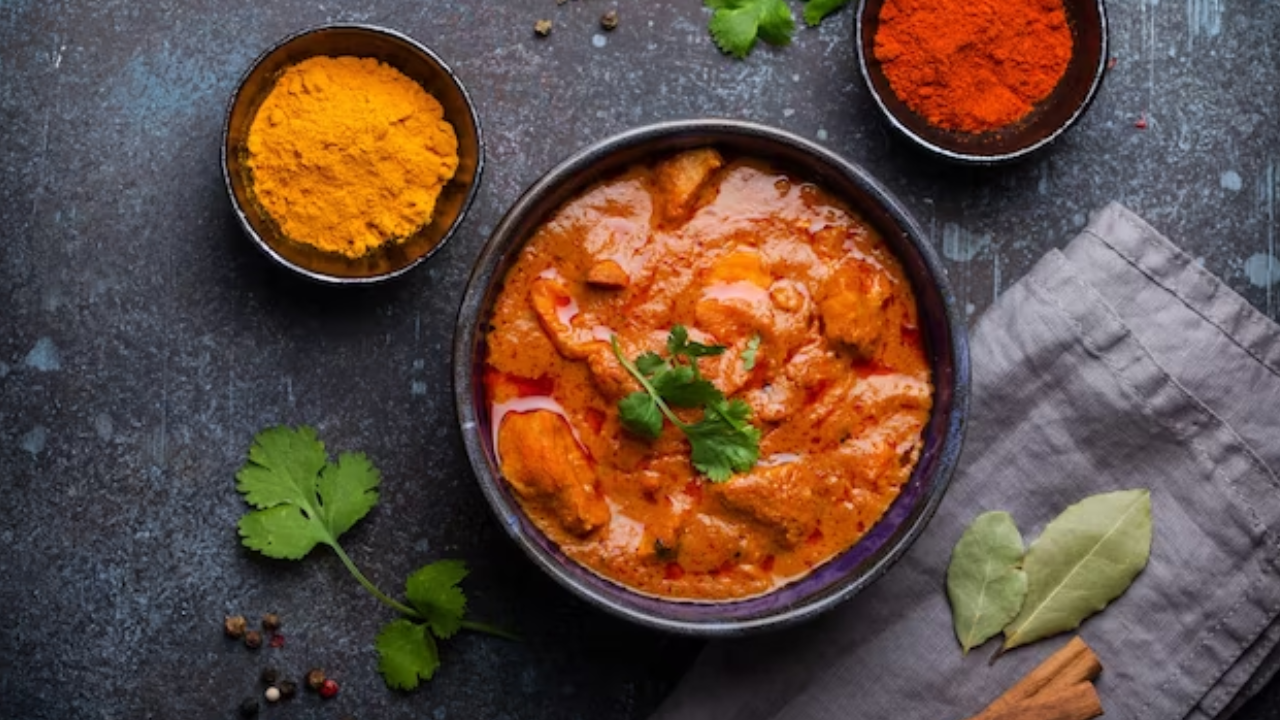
[(710, 376)]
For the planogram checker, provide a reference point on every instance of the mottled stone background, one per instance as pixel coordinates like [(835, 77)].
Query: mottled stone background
[(143, 341)]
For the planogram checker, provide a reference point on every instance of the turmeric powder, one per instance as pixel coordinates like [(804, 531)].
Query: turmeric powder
[(348, 154)]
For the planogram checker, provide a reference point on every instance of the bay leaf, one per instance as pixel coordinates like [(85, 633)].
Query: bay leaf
[(1085, 558), (985, 583)]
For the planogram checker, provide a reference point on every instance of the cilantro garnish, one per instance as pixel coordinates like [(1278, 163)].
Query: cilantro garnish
[(723, 441), (678, 344), (301, 500), (736, 24), (749, 353)]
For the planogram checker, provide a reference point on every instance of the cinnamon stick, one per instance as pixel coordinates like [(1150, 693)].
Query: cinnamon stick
[(1073, 663), (1063, 702), (1059, 688)]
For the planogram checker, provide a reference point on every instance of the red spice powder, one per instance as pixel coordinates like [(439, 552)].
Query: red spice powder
[(973, 65)]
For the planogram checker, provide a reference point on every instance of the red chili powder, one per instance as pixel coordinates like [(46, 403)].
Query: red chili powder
[(973, 65)]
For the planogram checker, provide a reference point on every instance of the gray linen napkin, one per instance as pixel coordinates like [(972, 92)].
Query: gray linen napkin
[(1116, 363)]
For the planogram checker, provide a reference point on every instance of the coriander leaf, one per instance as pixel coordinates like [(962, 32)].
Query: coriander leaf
[(283, 464), (651, 363), (776, 23), (348, 490), (302, 499), (736, 412), (734, 30), (1085, 558), (678, 344), (677, 338), (433, 591), (723, 442), (406, 654), (735, 24), (985, 581), (639, 414), (749, 354), (816, 10), (283, 532), (682, 387)]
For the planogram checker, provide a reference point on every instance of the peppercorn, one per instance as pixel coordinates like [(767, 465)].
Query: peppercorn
[(288, 689), (269, 676), (542, 28), (249, 708), (277, 640), (253, 639), (609, 20), (271, 622), (272, 694), (234, 626), (315, 678), (328, 688)]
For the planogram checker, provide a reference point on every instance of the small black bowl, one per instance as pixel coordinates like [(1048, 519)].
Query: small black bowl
[(941, 328), (418, 63), (1048, 120)]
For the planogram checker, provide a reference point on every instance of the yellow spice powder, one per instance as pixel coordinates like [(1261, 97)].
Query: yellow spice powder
[(348, 154)]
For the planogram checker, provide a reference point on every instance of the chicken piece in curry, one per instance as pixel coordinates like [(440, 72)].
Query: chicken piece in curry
[(745, 256)]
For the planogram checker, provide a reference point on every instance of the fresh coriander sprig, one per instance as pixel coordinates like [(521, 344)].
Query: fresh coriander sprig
[(301, 500), (736, 24), (723, 442)]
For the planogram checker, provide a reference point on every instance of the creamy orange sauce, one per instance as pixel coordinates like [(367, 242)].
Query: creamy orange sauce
[(730, 249)]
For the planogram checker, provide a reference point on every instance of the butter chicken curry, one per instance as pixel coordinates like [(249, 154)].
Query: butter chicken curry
[(819, 328)]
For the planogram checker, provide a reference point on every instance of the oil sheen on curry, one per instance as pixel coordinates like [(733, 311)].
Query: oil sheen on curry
[(742, 255)]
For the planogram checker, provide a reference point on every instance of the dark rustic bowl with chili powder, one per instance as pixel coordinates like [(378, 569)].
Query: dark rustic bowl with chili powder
[(941, 332), (982, 82)]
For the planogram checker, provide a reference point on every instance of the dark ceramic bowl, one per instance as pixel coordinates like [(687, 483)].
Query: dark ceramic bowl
[(1048, 120), (941, 327), (410, 58)]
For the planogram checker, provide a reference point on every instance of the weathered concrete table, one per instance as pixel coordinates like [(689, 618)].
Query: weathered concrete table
[(144, 341)]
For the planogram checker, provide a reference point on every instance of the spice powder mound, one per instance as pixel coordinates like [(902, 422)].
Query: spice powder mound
[(348, 154), (973, 65)]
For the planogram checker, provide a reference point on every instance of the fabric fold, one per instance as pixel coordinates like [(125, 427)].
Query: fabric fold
[(1116, 363)]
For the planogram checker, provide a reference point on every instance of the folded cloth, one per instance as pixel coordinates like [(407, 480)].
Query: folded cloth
[(1116, 363)]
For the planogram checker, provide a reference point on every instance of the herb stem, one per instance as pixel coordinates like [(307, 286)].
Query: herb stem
[(373, 589), (644, 382), (489, 629)]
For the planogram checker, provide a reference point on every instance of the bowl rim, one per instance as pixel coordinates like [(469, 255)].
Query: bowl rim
[(504, 239), (242, 216), (974, 159)]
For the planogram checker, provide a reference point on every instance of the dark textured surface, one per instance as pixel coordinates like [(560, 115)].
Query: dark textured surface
[(143, 341)]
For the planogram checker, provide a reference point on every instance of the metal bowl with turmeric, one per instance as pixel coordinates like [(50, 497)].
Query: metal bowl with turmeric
[(351, 153), (804, 368)]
